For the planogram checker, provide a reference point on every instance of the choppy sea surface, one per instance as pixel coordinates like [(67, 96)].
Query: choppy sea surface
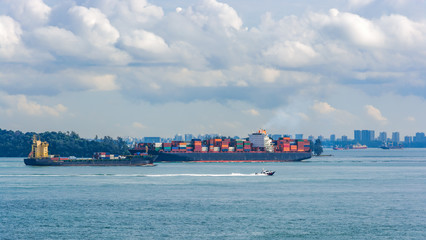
[(354, 194)]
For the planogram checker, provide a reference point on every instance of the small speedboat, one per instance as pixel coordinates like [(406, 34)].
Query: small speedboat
[(266, 172)]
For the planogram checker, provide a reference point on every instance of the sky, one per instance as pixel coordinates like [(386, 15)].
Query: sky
[(157, 68)]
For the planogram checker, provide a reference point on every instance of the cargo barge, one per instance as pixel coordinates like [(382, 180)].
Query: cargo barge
[(39, 156), (258, 147)]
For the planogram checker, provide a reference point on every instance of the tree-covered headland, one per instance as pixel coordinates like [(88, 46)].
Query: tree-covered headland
[(18, 144)]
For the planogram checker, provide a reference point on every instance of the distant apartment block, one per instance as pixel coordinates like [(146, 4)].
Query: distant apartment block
[(357, 135), (408, 140), (178, 137), (276, 136), (188, 137), (151, 139), (420, 137), (367, 136), (383, 137), (395, 137)]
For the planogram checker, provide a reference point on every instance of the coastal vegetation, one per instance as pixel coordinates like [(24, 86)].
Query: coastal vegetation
[(18, 144), (317, 148)]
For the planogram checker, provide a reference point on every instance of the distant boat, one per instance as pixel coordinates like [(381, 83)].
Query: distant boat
[(339, 148), (358, 146), (266, 172), (390, 146)]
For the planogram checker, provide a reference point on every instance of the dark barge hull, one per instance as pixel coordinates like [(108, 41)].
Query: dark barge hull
[(232, 157), (128, 161)]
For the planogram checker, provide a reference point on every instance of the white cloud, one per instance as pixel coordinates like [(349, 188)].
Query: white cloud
[(354, 28), (98, 35), (252, 112), (359, 3), (215, 14), (30, 13), (323, 107), (100, 83), (19, 104), (403, 32), (147, 41), (202, 52), (375, 113), (130, 13), (10, 37), (94, 26), (138, 125), (411, 119), (270, 74), (290, 53), (49, 37)]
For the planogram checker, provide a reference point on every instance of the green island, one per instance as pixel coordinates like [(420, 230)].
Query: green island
[(18, 144)]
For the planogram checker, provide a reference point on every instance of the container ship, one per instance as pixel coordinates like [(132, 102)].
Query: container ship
[(39, 156), (258, 147)]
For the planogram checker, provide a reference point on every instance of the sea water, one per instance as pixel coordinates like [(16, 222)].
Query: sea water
[(354, 194)]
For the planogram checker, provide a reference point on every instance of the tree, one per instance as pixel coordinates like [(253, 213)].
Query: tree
[(317, 147), (18, 144)]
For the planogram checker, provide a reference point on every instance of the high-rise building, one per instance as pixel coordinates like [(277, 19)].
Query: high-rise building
[(408, 140), (383, 136), (332, 137), (420, 137), (178, 137), (276, 136), (395, 137), (367, 136), (357, 135), (151, 139), (344, 138), (188, 137), (299, 136), (311, 138)]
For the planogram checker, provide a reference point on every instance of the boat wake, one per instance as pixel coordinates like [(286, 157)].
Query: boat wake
[(201, 175), (135, 175)]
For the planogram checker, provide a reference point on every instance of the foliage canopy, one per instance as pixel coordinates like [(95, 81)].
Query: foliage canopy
[(18, 144)]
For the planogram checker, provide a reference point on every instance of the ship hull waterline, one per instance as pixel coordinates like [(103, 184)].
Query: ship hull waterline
[(90, 162), (232, 157)]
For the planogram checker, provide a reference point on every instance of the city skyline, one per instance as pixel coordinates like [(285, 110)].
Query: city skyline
[(155, 68), (275, 136)]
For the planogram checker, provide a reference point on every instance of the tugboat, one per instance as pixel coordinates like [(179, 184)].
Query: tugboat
[(266, 172)]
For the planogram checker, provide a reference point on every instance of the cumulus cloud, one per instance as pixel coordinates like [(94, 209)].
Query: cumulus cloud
[(30, 13), (323, 107), (214, 14), (10, 37), (203, 52), (290, 53), (351, 27), (19, 104), (130, 14), (145, 40), (375, 113), (91, 25)]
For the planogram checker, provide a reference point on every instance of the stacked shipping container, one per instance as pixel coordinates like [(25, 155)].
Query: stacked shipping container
[(225, 145)]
